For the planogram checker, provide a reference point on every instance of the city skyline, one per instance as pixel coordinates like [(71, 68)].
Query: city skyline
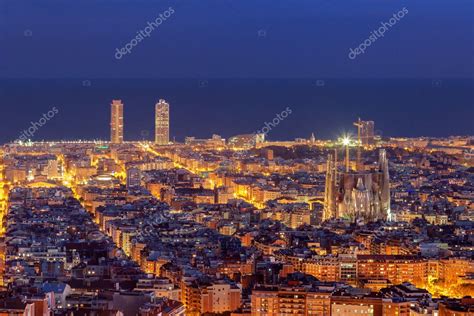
[(348, 226), (162, 125), (400, 108), (236, 158)]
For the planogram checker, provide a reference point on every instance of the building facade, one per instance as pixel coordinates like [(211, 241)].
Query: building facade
[(355, 195), (133, 178), (116, 122), (367, 133), (162, 122), (276, 301)]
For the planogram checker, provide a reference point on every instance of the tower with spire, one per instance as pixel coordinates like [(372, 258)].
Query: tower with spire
[(357, 194)]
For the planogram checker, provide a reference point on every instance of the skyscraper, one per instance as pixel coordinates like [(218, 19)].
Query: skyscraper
[(116, 122), (162, 122), (367, 133)]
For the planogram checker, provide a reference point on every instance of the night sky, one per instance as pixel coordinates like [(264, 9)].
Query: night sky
[(227, 66)]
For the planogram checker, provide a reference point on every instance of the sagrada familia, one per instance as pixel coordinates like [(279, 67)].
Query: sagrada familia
[(357, 194)]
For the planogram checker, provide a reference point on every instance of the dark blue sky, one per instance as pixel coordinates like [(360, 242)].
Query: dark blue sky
[(219, 38), (429, 52)]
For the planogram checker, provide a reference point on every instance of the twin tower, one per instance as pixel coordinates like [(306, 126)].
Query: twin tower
[(162, 122)]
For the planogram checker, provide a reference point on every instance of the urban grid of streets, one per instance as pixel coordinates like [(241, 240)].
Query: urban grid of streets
[(215, 228)]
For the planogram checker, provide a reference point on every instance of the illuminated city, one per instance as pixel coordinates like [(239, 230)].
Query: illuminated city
[(236, 158), (240, 226)]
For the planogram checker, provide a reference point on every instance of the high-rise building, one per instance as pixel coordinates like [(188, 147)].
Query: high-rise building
[(162, 122), (116, 122), (355, 195), (367, 133)]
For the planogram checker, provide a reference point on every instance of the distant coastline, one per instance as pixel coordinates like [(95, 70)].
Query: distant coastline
[(203, 106)]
